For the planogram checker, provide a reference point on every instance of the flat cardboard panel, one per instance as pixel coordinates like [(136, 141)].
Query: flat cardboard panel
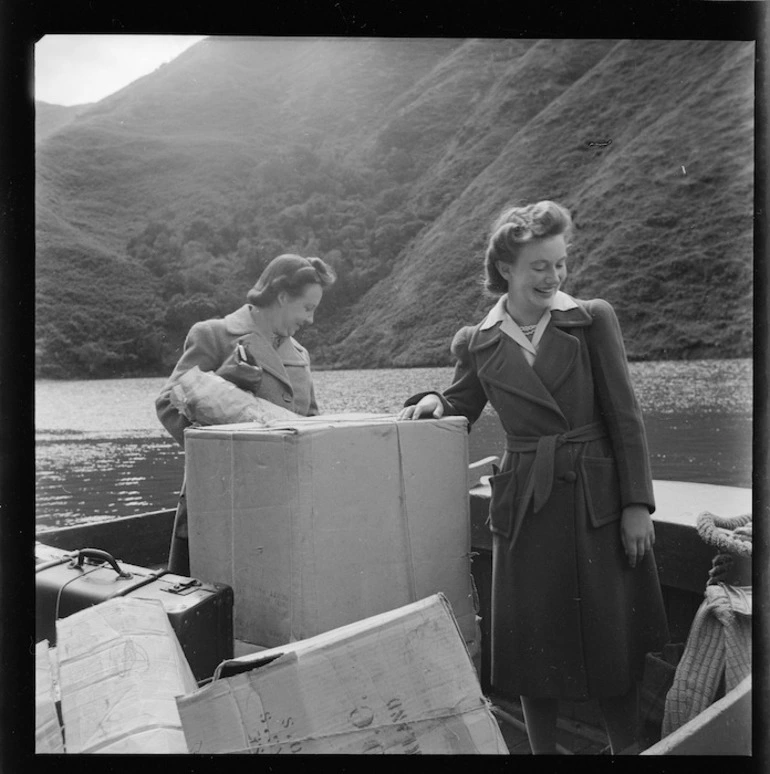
[(120, 669), (48, 734), (323, 521), (400, 682)]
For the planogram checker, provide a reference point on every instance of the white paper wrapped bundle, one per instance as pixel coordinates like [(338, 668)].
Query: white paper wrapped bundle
[(208, 399)]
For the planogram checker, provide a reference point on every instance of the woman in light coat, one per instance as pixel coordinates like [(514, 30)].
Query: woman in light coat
[(254, 348), (576, 601)]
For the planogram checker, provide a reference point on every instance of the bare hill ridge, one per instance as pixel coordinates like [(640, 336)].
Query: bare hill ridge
[(159, 205)]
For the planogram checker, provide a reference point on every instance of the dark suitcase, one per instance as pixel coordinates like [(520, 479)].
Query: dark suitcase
[(201, 614)]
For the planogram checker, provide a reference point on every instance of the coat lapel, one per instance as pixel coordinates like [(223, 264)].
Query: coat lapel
[(558, 351), (506, 368), (502, 364), (556, 356), (241, 323)]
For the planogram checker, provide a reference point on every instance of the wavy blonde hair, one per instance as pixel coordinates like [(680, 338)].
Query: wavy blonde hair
[(517, 226)]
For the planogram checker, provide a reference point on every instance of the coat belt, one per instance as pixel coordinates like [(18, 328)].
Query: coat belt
[(540, 480)]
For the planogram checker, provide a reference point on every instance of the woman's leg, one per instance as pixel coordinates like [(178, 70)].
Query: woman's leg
[(540, 716), (621, 719)]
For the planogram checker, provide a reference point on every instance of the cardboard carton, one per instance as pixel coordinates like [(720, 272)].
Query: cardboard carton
[(399, 682), (323, 521), (120, 670)]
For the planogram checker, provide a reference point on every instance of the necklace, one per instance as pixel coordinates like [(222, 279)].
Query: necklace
[(528, 330)]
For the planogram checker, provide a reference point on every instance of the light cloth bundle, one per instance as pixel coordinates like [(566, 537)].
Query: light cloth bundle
[(205, 398), (719, 643)]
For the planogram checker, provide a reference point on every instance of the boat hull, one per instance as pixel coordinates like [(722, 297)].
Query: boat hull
[(724, 728)]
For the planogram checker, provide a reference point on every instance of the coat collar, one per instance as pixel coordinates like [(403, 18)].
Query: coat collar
[(577, 317), (240, 321), (565, 312), (506, 366), (561, 302)]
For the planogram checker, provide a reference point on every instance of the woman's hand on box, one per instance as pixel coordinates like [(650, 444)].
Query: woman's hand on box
[(428, 406)]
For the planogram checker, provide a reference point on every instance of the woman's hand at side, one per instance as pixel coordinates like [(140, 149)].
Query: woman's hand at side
[(428, 406), (636, 532)]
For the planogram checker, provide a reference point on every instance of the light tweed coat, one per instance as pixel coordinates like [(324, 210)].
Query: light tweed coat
[(282, 377)]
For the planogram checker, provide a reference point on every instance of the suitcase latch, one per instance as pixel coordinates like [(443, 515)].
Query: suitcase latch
[(182, 586)]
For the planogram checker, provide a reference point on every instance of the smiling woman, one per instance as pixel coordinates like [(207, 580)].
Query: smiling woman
[(571, 502), (78, 69)]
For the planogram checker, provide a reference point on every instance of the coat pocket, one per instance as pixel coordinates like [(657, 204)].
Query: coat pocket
[(602, 490), (501, 504)]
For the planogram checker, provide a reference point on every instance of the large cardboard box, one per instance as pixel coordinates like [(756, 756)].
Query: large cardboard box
[(323, 521), (400, 682)]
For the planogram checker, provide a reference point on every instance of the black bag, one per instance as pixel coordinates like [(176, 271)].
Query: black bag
[(201, 614), (659, 670)]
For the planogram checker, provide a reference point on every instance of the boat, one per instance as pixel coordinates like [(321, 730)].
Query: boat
[(683, 560)]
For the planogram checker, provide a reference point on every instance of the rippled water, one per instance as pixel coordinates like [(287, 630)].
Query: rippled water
[(100, 450)]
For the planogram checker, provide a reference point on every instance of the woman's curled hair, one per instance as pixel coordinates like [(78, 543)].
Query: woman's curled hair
[(514, 228), (290, 274)]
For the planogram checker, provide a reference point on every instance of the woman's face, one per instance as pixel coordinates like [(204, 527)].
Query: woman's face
[(298, 311), (535, 277)]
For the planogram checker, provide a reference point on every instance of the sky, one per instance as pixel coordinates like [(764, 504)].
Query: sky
[(77, 69)]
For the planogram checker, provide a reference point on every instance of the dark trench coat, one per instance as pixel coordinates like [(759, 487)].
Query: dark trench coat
[(570, 617)]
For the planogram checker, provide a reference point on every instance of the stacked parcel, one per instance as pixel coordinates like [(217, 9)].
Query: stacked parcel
[(323, 521)]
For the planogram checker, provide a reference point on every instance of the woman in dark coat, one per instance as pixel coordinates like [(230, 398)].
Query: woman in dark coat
[(254, 348), (576, 601)]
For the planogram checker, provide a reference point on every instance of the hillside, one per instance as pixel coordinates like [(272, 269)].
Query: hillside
[(50, 118), (389, 158)]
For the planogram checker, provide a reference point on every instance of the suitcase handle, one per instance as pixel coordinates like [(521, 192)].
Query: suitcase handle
[(96, 553)]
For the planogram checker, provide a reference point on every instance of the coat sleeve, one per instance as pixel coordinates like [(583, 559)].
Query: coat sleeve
[(465, 396), (619, 406), (199, 350), (313, 410)]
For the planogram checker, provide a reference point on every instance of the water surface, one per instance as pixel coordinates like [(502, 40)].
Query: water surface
[(101, 451)]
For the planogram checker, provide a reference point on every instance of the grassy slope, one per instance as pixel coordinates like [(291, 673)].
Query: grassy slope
[(189, 135), (161, 148), (50, 118), (671, 249)]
